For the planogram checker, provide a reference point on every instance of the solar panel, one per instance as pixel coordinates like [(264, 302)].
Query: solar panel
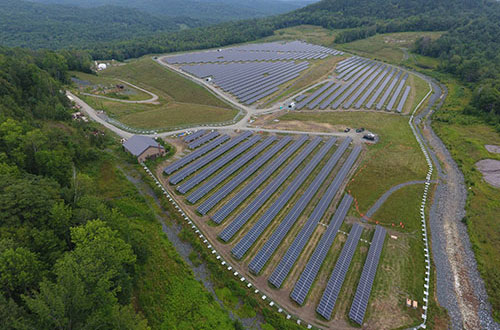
[(371, 89), (308, 275), (353, 87), (292, 254), (323, 96), (360, 90), (272, 243), (194, 136), (388, 91), (203, 139), (184, 173), (332, 290), (253, 234), (229, 170), (194, 155), (363, 291), (208, 204), (221, 214), (396, 93), (403, 99), (380, 89), (221, 162), (314, 95)]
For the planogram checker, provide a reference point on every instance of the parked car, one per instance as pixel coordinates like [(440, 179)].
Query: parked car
[(347, 130), (359, 130)]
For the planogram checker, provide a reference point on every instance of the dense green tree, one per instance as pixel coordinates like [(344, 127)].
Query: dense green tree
[(20, 270), (88, 280)]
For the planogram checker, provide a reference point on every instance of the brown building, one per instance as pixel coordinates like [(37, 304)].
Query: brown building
[(143, 147)]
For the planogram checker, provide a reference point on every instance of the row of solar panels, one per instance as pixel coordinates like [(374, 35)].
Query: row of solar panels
[(308, 275), (291, 46), (227, 55), (249, 82), (364, 78), (273, 51)]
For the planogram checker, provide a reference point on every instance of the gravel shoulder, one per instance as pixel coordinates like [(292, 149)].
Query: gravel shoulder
[(460, 288)]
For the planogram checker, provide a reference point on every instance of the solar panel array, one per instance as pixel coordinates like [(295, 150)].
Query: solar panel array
[(225, 210), (357, 79), (221, 193), (248, 81), (291, 46), (222, 165), (254, 233), (363, 291), (396, 93), (272, 243), (203, 175), (194, 136), (272, 51), (216, 197), (308, 275), (292, 254), (252, 72), (184, 173), (204, 139), (332, 290), (194, 155)]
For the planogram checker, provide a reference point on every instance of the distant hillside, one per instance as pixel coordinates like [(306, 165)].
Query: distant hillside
[(33, 25), (204, 10)]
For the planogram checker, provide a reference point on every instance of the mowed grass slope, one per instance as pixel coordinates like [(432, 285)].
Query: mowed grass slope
[(181, 101), (388, 47)]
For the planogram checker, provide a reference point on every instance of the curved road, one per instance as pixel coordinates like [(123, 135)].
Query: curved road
[(388, 193), (153, 98), (459, 287)]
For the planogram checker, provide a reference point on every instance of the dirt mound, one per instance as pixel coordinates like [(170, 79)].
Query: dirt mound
[(493, 149), (490, 169)]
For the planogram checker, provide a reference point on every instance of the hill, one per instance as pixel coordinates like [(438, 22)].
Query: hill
[(21, 24), (205, 10)]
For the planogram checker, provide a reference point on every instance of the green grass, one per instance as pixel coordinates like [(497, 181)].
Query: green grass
[(386, 47), (172, 86), (165, 291), (309, 33), (181, 101), (465, 137), (128, 93), (395, 159), (160, 116)]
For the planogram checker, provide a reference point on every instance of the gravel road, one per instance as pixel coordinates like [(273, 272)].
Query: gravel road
[(386, 195), (153, 98), (460, 289)]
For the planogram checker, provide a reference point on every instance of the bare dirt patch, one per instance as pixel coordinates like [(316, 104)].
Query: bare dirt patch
[(309, 126), (490, 169)]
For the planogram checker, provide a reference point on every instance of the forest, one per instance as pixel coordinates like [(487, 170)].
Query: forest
[(80, 248)]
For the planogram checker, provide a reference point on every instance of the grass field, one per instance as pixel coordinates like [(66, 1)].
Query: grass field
[(465, 137), (389, 47), (98, 83), (181, 101), (309, 33)]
